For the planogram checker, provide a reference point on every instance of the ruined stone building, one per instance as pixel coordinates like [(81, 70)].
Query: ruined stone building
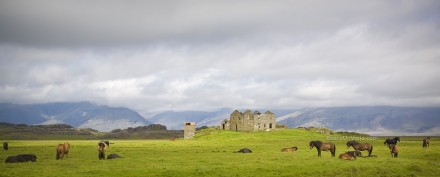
[(189, 130), (249, 121)]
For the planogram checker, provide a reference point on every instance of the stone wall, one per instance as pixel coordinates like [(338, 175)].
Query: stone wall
[(249, 121)]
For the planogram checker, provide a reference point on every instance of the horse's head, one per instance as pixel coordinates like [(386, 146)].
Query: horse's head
[(101, 146), (34, 158), (397, 138), (316, 144), (351, 143)]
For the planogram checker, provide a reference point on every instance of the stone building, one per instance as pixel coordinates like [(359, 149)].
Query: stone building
[(189, 130), (249, 121)]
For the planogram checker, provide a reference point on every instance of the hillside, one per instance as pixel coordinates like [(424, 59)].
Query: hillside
[(79, 114), (63, 131), (379, 120)]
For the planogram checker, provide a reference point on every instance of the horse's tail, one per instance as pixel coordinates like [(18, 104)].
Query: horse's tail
[(334, 150), (370, 151)]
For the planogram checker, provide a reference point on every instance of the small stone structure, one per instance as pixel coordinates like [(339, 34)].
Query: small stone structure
[(249, 121), (189, 130)]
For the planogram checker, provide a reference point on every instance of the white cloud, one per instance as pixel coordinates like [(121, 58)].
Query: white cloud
[(173, 55)]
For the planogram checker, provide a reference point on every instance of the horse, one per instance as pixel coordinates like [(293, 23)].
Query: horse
[(101, 150), (394, 150), (66, 148), (360, 146), (289, 149), (350, 155), (61, 151), (245, 150), (106, 142), (426, 142), (114, 156), (21, 158), (320, 146), (355, 153), (389, 142), (5, 146)]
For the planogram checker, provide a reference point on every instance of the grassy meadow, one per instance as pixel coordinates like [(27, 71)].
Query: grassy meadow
[(211, 154)]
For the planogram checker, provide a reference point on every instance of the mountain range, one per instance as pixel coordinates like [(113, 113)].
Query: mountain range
[(373, 120), (78, 114)]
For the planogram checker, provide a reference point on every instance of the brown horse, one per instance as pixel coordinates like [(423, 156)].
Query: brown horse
[(67, 148), (289, 149), (361, 146), (101, 150), (61, 151), (394, 150), (426, 142), (320, 146)]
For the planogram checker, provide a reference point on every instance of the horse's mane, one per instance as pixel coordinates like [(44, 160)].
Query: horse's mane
[(316, 143), (352, 143)]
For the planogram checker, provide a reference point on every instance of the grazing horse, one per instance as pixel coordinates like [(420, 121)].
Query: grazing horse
[(394, 150), (101, 151), (426, 142), (360, 146), (5, 146), (21, 158), (61, 151), (289, 149), (67, 148), (389, 142), (320, 146)]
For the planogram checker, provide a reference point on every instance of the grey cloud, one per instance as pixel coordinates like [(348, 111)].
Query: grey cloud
[(178, 55)]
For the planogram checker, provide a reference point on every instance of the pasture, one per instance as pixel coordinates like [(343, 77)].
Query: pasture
[(212, 154)]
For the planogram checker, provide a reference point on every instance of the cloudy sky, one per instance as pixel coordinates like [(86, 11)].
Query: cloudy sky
[(204, 55)]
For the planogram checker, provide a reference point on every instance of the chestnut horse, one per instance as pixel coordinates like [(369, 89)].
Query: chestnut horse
[(67, 148), (61, 151), (360, 146), (289, 149), (394, 150), (426, 142), (320, 146), (350, 155)]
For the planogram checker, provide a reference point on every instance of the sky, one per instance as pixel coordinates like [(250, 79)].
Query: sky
[(152, 56)]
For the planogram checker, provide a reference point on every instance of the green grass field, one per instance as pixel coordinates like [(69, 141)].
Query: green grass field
[(212, 155)]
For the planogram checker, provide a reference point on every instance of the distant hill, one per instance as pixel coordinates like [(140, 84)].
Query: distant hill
[(175, 119), (79, 114), (63, 131), (373, 120)]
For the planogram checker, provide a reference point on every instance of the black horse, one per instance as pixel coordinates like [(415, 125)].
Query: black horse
[(114, 156), (245, 150), (320, 146), (21, 158), (5, 146), (360, 146), (389, 142)]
